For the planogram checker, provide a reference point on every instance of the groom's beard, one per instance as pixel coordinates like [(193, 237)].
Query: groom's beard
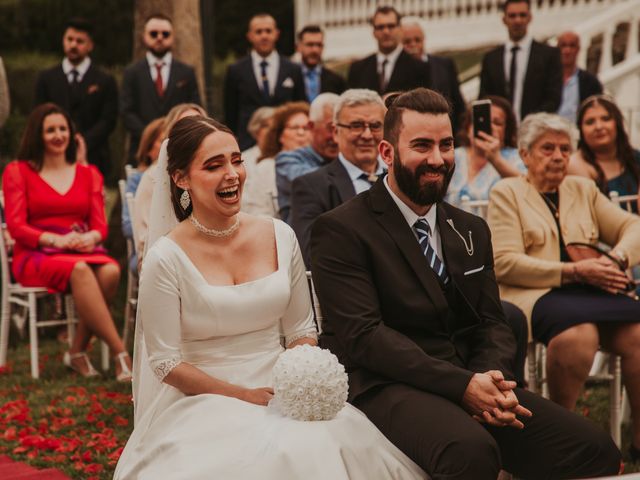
[(409, 182)]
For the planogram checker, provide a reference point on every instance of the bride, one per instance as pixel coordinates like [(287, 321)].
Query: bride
[(217, 291)]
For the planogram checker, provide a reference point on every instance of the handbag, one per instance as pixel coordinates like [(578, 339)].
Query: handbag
[(583, 251)]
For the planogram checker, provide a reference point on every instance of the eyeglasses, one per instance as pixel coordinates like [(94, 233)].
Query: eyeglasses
[(358, 128), (157, 33), (385, 26)]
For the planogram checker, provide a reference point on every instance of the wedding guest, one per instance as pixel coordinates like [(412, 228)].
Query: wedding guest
[(290, 164), (483, 160), (574, 305), (142, 199), (147, 154), (604, 152), (411, 306), (289, 129), (257, 128), (54, 209), (155, 84), (84, 90), (209, 330)]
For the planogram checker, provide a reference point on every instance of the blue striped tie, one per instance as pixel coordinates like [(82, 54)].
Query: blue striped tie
[(424, 231)]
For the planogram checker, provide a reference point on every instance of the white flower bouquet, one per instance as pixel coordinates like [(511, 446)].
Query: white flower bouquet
[(309, 384)]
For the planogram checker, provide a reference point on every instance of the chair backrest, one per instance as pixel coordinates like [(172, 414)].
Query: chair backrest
[(129, 199), (129, 170), (315, 302), (477, 207), (5, 250), (625, 202)]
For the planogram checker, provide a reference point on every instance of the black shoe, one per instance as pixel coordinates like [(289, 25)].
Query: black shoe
[(634, 453)]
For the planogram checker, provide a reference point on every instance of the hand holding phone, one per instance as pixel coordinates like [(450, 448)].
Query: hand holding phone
[(481, 117)]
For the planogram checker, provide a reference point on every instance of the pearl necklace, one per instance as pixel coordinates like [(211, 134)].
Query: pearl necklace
[(212, 232)]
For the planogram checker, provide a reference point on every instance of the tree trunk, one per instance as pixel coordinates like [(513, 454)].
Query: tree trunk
[(187, 45)]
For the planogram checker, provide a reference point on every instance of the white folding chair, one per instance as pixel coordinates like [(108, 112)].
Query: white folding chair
[(128, 171), (606, 367), (477, 207), (317, 313), (131, 302), (625, 202), (14, 294)]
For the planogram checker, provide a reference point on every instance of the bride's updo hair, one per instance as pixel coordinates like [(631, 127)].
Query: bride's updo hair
[(185, 138)]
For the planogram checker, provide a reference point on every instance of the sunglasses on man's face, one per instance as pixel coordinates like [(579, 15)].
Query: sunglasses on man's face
[(157, 33)]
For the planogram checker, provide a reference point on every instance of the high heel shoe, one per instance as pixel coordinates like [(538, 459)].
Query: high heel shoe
[(125, 374), (68, 358)]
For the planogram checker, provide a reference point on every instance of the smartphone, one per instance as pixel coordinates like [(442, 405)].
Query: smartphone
[(481, 116)]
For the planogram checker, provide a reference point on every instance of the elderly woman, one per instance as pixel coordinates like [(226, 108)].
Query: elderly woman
[(574, 306)]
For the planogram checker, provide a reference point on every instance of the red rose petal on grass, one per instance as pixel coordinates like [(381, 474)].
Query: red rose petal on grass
[(101, 424), (10, 434), (121, 421), (87, 457), (20, 449), (93, 468), (6, 370)]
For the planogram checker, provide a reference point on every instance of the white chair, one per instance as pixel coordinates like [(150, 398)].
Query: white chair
[(625, 202), (129, 170), (477, 207), (315, 302), (14, 294), (605, 367), (131, 302)]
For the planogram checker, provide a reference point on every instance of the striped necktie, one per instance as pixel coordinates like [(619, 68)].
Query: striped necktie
[(424, 232)]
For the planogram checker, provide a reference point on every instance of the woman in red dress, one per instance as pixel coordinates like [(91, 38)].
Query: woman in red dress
[(54, 209)]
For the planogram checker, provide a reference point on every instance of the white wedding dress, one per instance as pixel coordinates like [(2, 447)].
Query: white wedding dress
[(233, 333)]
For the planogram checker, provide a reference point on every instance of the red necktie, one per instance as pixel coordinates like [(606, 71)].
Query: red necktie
[(159, 85)]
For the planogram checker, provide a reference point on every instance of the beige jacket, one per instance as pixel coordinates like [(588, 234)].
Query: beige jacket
[(526, 244)]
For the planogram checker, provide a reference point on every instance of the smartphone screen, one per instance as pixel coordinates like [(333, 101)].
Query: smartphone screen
[(481, 116)]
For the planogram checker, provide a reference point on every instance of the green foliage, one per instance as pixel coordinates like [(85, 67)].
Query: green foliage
[(37, 25)]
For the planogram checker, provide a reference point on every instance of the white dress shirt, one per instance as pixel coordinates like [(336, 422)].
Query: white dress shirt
[(522, 60), (152, 60), (273, 60), (391, 58), (412, 217), (359, 184), (81, 68)]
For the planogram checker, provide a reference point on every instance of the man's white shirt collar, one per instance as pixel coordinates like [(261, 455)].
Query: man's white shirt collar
[(391, 57), (81, 68), (355, 172)]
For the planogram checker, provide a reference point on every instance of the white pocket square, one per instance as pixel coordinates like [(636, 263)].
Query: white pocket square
[(288, 83), (475, 270)]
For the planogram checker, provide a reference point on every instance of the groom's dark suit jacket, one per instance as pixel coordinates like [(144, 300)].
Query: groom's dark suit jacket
[(386, 316)]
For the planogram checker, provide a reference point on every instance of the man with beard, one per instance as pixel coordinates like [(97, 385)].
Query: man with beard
[(157, 83), (411, 308), (88, 93), (317, 77), (358, 117)]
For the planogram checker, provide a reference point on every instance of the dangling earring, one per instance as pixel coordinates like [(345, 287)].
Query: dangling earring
[(185, 200)]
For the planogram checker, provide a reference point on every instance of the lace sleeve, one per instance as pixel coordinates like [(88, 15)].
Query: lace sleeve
[(307, 333), (164, 367)]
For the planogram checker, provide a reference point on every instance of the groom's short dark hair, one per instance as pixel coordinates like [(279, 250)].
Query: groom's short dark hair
[(421, 100)]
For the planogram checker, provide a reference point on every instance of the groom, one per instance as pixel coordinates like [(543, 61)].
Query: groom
[(412, 310)]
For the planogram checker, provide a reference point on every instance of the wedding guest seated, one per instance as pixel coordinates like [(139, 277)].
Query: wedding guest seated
[(54, 210), (604, 152), (575, 305), (410, 302), (257, 127), (208, 337), (290, 164), (142, 199), (483, 160), (289, 129), (147, 153)]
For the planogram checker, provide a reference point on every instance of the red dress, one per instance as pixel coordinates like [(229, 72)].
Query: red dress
[(33, 207)]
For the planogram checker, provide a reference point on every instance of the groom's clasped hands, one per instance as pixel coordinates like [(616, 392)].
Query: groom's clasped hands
[(490, 399)]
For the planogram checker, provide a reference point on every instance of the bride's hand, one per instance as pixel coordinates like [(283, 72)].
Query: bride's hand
[(259, 396)]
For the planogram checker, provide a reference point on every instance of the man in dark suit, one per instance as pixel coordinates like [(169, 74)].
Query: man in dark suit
[(157, 83), (578, 84), (525, 72), (411, 308), (391, 68), (89, 94), (317, 78), (357, 129), (443, 73), (262, 78)]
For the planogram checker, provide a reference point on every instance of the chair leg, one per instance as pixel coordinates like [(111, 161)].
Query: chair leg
[(127, 310), (104, 359), (70, 312), (615, 416), (532, 366), (33, 335), (4, 326), (543, 366)]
